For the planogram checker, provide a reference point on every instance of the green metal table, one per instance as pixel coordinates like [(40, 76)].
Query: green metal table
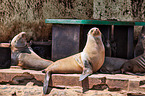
[(69, 36)]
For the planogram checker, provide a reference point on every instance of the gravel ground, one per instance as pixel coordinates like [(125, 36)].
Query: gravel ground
[(32, 90)]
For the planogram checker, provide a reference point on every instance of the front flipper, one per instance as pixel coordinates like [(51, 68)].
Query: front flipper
[(46, 82), (86, 73), (87, 68)]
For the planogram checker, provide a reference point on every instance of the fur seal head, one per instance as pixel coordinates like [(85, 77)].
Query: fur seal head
[(135, 65), (127, 67), (19, 41), (94, 32)]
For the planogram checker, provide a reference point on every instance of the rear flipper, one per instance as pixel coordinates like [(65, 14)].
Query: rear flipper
[(138, 74), (87, 68), (46, 82)]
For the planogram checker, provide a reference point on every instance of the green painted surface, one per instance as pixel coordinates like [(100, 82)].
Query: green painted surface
[(140, 23), (99, 22)]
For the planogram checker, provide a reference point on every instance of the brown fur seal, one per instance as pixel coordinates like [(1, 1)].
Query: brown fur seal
[(140, 46), (88, 61), (135, 65), (112, 65), (24, 56)]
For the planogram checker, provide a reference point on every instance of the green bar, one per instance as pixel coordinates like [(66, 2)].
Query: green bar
[(98, 22), (140, 23)]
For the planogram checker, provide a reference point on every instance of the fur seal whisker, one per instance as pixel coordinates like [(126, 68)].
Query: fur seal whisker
[(141, 62)]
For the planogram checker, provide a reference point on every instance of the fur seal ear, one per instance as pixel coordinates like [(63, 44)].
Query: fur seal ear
[(103, 37)]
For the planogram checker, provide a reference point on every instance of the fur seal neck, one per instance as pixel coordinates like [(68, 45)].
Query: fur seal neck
[(93, 39), (93, 47)]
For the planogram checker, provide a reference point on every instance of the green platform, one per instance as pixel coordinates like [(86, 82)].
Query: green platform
[(98, 22)]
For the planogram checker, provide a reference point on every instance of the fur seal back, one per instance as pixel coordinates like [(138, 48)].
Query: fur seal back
[(112, 65)]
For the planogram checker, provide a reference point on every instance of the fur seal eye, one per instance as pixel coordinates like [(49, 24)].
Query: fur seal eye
[(23, 35), (97, 29), (129, 67)]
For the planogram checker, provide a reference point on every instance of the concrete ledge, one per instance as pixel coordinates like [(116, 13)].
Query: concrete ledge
[(112, 82), (5, 45), (7, 75)]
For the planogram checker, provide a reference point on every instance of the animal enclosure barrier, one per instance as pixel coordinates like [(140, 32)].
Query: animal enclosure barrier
[(69, 36)]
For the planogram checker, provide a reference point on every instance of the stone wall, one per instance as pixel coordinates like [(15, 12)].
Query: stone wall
[(80, 9), (120, 10), (29, 15), (31, 10)]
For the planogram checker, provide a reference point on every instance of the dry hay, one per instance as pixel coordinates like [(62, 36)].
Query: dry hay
[(35, 31)]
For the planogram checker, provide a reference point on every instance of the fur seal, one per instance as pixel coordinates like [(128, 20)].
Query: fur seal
[(135, 65), (112, 65), (24, 56), (140, 46), (88, 61)]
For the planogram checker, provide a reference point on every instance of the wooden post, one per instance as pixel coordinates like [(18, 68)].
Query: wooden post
[(65, 40), (123, 37), (130, 47)]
